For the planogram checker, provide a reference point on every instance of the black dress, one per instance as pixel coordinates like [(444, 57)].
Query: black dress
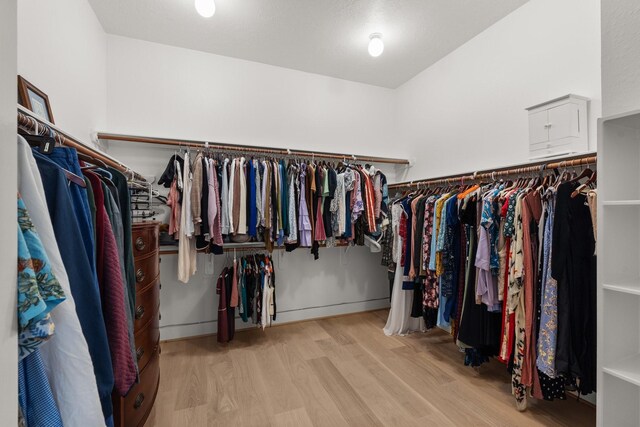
[(573, 265), (479, 328)]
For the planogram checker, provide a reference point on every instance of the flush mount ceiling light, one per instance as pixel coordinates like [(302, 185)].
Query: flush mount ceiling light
[(376, 46), (206, 8)]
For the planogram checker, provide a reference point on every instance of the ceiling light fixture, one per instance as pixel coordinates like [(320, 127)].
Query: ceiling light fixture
[(206, 8), (376, 45)]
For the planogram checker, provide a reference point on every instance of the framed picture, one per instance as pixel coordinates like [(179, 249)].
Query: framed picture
[(34, 99)]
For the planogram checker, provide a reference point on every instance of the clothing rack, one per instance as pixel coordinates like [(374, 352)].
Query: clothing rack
[(249, 149), (525, 168), (33, 124), (242, 247)]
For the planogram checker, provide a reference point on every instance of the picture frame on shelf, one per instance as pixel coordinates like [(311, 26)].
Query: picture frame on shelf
[(34, 99)]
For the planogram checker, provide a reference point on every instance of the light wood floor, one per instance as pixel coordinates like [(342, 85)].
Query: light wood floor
[(338, 372)]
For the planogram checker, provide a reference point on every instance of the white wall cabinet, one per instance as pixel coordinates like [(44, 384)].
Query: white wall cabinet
[(559, 127), (619, 271)]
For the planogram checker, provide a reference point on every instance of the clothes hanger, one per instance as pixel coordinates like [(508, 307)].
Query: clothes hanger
[(592, 179), (96, 162), (586, 173), (36, 141)]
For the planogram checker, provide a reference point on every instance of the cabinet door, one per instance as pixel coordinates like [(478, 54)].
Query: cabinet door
[(538, 130), (564, 121)]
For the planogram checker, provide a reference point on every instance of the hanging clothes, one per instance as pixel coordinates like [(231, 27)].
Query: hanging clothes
[(77, 263), (70, 374), (399, 321), (187, 245), (508, 270)]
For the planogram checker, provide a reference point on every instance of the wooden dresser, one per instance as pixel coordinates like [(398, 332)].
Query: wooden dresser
[(133, 410)]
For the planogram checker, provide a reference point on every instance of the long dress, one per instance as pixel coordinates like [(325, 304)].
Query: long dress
[(400, 321)]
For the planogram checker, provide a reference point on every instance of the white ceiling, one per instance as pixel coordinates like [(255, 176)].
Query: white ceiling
[(326, 37)]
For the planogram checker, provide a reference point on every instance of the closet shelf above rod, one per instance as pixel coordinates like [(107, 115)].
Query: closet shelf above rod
[(573, 161), (31, 123), (249, 149)]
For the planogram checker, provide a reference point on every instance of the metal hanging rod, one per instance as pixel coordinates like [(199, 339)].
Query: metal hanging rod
[(249, 149), (578, 160), (31, 123)]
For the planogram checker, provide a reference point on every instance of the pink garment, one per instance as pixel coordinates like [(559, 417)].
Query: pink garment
[(124, 368), (304, 222), (320, 232), (174, 217), (112, 294)]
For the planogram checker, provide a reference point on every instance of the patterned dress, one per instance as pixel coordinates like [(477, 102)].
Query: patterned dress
[(39, 292)]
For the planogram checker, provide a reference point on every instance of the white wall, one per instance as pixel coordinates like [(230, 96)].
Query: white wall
[(467, 112), (8, 176), (337, 283), (620, 56), (170, 92), (62, 49), (159, 90)]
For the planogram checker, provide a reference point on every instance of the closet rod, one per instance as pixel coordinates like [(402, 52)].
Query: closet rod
[(244, 247), (249, 149), (30, 123), (578, 160)]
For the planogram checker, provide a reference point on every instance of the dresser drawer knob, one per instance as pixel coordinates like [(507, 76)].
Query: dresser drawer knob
[(140, 353), (139, 399), (140, 244), (139, 312), (139, 275)]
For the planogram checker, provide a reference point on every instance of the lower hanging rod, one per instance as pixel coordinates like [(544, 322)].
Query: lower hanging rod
[(540, 166), (249, 149)]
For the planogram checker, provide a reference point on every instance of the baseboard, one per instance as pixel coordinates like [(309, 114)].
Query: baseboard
[(177, 332)]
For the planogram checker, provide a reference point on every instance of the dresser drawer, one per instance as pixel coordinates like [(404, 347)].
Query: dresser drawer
[(146, 270), (144, 239), (147, 341), (147, 304), (138, 403)]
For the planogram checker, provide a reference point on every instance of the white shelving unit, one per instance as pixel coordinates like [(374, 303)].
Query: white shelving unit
[(619, 271)]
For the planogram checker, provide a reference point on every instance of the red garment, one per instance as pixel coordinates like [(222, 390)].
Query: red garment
[(223, 319), (531, 213), (508, 320), (320, 232), (402, 232), (112, 294), (370, 214)]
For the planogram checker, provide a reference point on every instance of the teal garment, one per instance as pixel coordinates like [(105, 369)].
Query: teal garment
[(39, 291), (120, 182)]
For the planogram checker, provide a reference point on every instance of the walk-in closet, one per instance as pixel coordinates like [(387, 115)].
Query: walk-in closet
[(320, 213)]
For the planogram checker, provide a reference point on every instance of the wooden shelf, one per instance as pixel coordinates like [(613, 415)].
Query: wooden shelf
[(627, 288), (627, 369), (621, 203)]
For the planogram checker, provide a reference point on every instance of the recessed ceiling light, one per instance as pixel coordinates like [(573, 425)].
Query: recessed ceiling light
[(206, 8), (376, 45)]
